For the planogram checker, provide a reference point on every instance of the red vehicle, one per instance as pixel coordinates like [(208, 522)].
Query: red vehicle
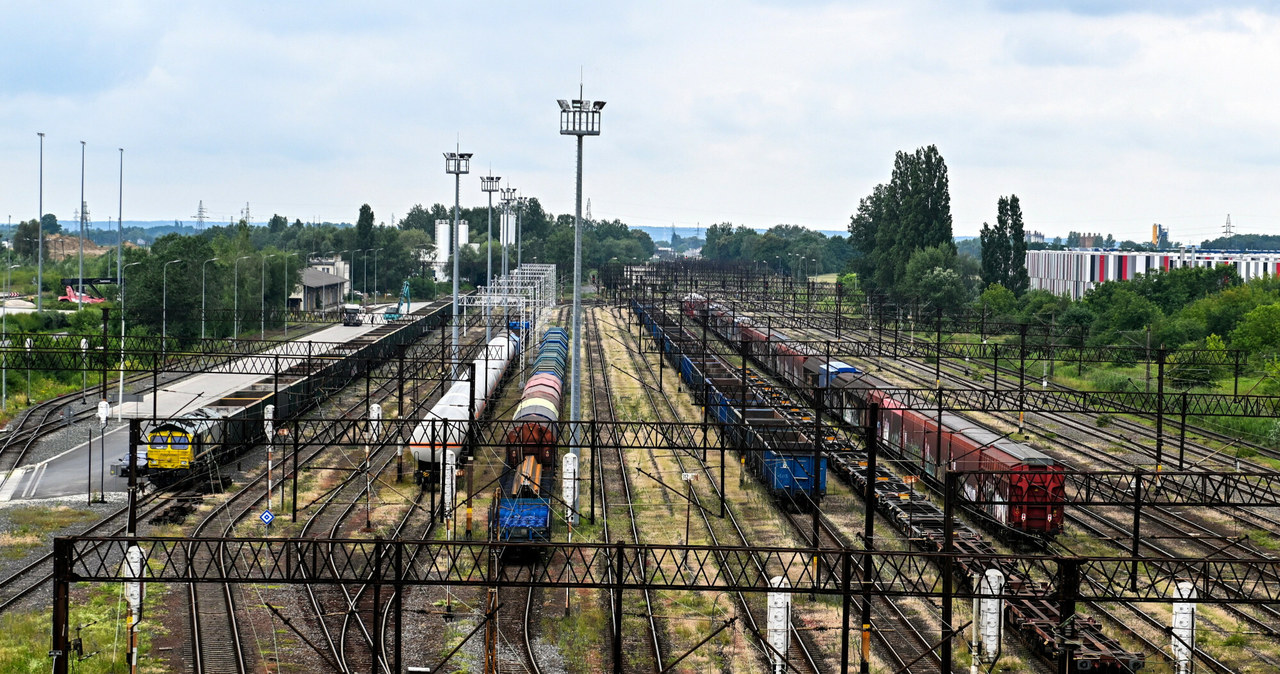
[(73, 296)]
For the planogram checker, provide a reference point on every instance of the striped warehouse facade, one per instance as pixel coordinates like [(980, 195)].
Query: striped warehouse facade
[(1074, 272)]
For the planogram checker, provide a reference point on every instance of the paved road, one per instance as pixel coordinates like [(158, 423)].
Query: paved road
[(67, 473)]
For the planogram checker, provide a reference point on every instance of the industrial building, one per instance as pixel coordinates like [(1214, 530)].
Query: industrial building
[(1074, 272)]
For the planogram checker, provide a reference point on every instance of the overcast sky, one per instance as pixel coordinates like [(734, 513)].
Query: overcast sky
[(1101, 115)]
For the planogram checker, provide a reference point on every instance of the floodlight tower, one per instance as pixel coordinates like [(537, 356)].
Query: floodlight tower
[(508, 198), (456, 164), (579, 118), (489, 185)]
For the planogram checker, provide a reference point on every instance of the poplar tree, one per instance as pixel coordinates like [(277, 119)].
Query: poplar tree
[(1019, 281)]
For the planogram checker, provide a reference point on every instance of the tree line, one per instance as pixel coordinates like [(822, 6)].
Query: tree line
[(236, 270), (786, 249)]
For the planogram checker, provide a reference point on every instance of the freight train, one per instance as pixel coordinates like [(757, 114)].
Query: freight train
[(781, 457), (187, 449), (462, 405), (523, 509), (1033, 613), (930, 444)]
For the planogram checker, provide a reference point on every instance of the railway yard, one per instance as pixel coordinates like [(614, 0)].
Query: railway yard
[(759, 474)]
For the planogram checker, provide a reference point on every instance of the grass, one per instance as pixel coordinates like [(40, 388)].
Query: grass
[(32, 526), (578, 634), (25, 647)]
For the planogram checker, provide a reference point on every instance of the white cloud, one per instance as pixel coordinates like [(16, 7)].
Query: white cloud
[(757, 113)]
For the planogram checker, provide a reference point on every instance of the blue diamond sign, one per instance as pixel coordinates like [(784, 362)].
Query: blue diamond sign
[(266, 517)]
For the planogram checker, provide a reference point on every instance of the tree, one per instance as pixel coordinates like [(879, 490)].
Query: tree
[(1004, 248), (277, 224), (995, 240), (49, 223), (932, 277), (998, 301), (364, 228), (1019, 280), (418, 218), (1259, 330), (911, 212), (25, 239)]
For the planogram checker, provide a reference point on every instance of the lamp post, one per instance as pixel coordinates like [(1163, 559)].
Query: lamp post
[(164, 305), (40, 235), (456, 164), (263, 308), (83, 215), (364, 271), (335, 268), (286, 291), (578, 118), (235, 298), (375, 273), (203, 270), (120, 393), (520, 201), (120, 223), (508, 199), (488, 185), (4, 329)]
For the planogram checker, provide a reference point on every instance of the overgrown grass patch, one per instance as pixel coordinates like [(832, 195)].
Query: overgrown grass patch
[(33, 524), (100, 609)]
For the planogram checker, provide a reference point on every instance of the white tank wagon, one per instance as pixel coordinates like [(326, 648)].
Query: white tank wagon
[(460, 406)]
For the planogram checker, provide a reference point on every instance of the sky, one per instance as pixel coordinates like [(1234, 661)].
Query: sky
[(1101, 115)]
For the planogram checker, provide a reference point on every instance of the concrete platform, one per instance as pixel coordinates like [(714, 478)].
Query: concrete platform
[(67, 473)]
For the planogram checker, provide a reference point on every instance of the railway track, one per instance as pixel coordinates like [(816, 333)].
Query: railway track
[(354, 647), (516, 613), (800, 656), (604, 409), (217, 642), (1207, 542)]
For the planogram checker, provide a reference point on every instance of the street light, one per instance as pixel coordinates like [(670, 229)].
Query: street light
[(520, 202), (346, 292), (364, 272), (508, 199), (579, 118), (286, 257), (83, 216), (375, 273), (4, 326), (120, 222), (40, 235), (489, 185), (164, 305), (120, 395), (203, 270), (456, 164), (263, 317), (235, 297)]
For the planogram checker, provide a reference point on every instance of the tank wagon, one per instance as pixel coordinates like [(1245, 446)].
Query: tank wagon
[(462, 405)]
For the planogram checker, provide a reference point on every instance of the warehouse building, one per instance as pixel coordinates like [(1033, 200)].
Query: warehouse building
[(1074, 272)]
